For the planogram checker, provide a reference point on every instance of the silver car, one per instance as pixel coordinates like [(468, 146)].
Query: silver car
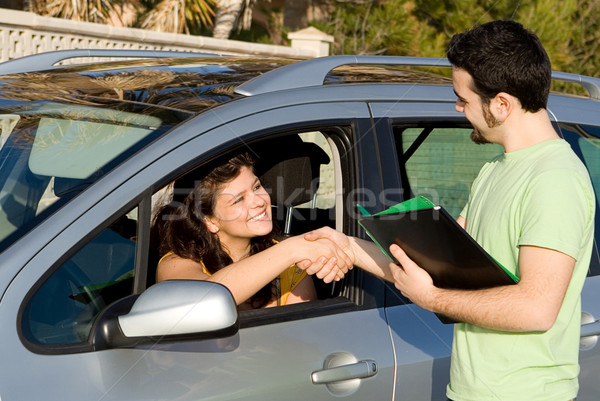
[(88, 152)]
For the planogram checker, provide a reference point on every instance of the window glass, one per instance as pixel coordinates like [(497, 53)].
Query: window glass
[(585, 142), (77, 149), (63, 308), (590, 150), (50, 152), (325, 195), (441, 163), (7, 123)]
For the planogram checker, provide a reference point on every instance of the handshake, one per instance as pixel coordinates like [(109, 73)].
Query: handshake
[(330, 254)]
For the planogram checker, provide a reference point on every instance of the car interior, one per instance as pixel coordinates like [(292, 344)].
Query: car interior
[(290, 169)]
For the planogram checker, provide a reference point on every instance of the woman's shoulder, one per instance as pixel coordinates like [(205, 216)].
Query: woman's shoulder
[(174, 267)]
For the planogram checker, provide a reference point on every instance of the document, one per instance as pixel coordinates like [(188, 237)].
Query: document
[(437, 243)]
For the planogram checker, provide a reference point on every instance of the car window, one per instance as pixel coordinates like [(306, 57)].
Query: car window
[(50, 152), (585, 141), (440, 163), (62, 309), (298, 172), (325, 195)]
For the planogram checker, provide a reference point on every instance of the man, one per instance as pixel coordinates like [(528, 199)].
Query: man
[(532, 209)]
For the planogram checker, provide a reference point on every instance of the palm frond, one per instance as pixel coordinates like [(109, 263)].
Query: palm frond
[(77, 10), (176, 15)]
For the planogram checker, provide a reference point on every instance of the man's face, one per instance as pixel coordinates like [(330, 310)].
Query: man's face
[(468, 102)]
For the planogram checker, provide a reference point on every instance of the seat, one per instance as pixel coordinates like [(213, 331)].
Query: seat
[(289, 170)]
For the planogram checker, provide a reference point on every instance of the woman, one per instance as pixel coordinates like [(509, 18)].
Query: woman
[(223, 232)]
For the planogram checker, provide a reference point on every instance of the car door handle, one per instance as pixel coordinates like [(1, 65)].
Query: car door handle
[(590, 329), (358, 370)]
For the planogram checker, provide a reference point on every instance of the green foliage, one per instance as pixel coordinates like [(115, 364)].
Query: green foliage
[(569, 29), (378, 27)]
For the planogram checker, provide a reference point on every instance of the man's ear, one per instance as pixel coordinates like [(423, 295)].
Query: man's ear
[(212, 224), (502, 105)]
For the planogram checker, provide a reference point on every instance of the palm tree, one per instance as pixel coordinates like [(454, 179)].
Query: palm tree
[(79, 10), (179, 16), (231, 14), (175, 16)]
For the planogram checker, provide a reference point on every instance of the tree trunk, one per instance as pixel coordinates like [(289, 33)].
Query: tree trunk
[(12, 4), (295, 14), (228, 11)]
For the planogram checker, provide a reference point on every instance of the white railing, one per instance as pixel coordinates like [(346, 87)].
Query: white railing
[(24, 33)]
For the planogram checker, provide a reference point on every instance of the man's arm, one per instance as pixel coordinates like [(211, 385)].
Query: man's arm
[(364, 254), (531, 305)]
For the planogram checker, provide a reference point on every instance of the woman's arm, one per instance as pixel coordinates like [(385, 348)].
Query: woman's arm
[(304, 291), (173, 267), (364, 254), (245, 277)]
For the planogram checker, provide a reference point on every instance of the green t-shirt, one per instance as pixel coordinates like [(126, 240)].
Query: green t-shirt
[(539, 196)]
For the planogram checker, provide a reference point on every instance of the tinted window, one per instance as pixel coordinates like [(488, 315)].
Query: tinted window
[(441, 163), (63, 308), (50, 152), (585, 141)]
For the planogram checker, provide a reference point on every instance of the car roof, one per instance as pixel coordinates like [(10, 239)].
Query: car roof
[(190, 84)]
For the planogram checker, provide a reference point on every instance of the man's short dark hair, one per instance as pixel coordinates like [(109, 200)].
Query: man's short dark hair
[(503, 56)]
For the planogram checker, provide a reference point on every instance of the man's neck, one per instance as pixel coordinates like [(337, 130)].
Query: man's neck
[(526, 130)]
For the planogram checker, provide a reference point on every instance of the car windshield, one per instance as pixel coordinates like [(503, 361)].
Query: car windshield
[(50, 152)]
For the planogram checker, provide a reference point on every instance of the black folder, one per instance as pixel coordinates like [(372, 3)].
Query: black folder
[(435, 241)]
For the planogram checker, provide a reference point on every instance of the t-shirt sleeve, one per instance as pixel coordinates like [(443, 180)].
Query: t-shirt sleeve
[(483, 172), (556, 211), (463, 212)]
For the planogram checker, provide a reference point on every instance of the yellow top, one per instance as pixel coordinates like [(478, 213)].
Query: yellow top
[(288, 279)]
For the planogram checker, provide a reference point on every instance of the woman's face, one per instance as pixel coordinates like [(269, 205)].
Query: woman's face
[(242, 209)]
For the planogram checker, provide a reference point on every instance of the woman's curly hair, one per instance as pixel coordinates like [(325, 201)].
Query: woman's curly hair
[(181, 228)]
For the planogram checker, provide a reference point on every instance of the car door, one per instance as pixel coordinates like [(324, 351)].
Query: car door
[(330, 349)]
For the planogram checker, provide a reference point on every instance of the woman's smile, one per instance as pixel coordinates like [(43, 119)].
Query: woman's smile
[(258, 217)]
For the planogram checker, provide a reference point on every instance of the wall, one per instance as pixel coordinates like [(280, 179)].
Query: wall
[(24, 33)]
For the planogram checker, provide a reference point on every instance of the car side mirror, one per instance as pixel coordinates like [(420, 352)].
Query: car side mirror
[(168, 311)]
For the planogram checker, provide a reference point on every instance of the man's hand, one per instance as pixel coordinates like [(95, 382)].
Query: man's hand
[(412, 281), (337, 237), (324, 268)]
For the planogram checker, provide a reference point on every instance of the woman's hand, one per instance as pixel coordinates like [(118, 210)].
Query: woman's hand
[(329, 269), (321, 257)]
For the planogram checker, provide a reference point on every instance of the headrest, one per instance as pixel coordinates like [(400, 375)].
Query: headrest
[(292, 177)]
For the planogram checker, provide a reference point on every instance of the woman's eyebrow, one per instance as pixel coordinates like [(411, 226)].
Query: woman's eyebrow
[(462, 99), (236, 196)]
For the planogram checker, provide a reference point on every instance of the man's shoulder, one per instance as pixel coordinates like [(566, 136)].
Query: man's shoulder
[(558, 155)]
